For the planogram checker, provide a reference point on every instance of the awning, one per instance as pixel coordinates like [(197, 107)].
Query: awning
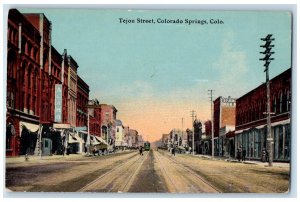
[(287, 121), (61, 126), (74, 138), (30, 126), (101, 140), (94, 141)]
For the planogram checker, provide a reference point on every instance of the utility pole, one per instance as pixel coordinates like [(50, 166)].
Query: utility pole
[(212, 124), (182, 130), (193, 137), (267, 58)]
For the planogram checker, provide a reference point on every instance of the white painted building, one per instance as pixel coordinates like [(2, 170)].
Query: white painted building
[(120, 134)]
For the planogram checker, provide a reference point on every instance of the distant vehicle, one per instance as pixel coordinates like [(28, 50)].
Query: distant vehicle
[(147, 146)]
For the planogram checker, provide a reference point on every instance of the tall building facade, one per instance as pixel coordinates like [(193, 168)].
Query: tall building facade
[(133, 138), (108, 123), (43, 25), (251, 132), (224, 121), (120, 134), (37, 75), (94, 118), (82, 102), (24, 73), (72, 67)]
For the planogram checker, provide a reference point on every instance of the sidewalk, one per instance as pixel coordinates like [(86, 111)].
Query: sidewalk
[(35, 158), (255, 162)]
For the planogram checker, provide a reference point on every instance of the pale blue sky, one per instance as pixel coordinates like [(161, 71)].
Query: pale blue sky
[(135, 65)]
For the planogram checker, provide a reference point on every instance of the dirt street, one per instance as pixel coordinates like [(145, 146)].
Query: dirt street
[(154, 172)]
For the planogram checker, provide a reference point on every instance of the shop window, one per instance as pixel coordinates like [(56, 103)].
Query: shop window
[(46, 144), (257, 144), (10, 132), (280, 142), (287, 142)]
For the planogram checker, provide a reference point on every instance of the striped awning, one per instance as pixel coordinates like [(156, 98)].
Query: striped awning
[(30, 126), (74, 138)]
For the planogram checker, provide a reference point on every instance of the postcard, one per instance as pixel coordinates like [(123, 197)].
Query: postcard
[(148, 101)]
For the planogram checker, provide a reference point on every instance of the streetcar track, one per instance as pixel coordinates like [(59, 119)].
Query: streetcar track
[(130, 163), (103, 175), (194, 174), (179, 164), (166, 173), (131, 178)]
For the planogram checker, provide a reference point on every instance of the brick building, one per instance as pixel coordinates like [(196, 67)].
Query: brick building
[(83, 90), (24, 77), (108, 122), (43, 25), (34, 70), (94, 118), (127, 140), (133, 134), (251, 121), (224, 122)]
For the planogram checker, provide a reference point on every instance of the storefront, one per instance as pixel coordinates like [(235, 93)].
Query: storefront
[(254, 141), (75, 143), (28, 137)]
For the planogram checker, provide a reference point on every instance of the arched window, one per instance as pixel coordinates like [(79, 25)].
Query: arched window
[(288, 101), (255, 112), (10, 132), (259, 110), (274, 104), (280, 102)]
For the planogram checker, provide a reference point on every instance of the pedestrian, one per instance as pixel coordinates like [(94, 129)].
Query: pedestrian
[(267, 156), (239, 154), (63, 150), (173, 151), (244, 155), (263, 155), (141, 151)]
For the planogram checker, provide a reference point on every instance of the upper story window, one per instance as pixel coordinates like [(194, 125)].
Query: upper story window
[(288, 101), (280, 103), (274, 104)]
